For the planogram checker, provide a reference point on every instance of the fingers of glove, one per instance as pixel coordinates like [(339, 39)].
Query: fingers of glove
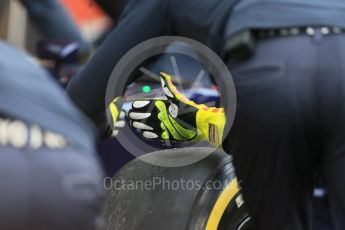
[(165, 133), (151, 123), (144, 109), (168, 87), (146, 122), (118, 102), (174, 95), (140, 125), (176, 98), (141, 109), (120, 123), (158, 133), (144, 118), (187, 132), (151, 118), (115, 108), (155, 131), (171, 91), (149, 135), (122, 115), (183, 123), (115, 133), (138, 116), (116, 113), (142, 103), (168, 126)]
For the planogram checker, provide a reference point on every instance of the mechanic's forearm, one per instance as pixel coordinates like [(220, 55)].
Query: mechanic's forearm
[(142, 20), (113, 8), (54, 22)]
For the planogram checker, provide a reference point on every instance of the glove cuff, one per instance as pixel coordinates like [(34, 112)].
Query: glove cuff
[(210, 124)]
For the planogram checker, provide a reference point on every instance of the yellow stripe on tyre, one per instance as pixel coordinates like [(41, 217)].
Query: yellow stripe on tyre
[(222, 202)]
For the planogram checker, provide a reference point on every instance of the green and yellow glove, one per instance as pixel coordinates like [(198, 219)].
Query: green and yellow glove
[(177, 118), (117, 116)]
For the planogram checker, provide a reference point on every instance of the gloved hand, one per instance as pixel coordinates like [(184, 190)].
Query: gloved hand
[(117, 116), (177, 118)]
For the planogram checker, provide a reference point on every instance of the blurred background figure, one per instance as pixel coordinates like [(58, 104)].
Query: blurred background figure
[(53, 21), (49, 170), (62, 33), (114, 10)]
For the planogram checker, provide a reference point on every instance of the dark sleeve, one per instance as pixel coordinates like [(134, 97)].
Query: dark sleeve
[(113, 8), (54, 22), (142, 20), (203, 20)]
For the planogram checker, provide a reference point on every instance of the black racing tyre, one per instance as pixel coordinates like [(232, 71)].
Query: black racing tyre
[(144, 196)]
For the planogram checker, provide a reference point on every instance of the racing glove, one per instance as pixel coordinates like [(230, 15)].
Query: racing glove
[(177, 118), (117, 116)]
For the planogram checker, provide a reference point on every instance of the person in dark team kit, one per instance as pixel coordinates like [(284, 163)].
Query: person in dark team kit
[(113, 8), (49, 172), (290, 85), (54, 22)]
